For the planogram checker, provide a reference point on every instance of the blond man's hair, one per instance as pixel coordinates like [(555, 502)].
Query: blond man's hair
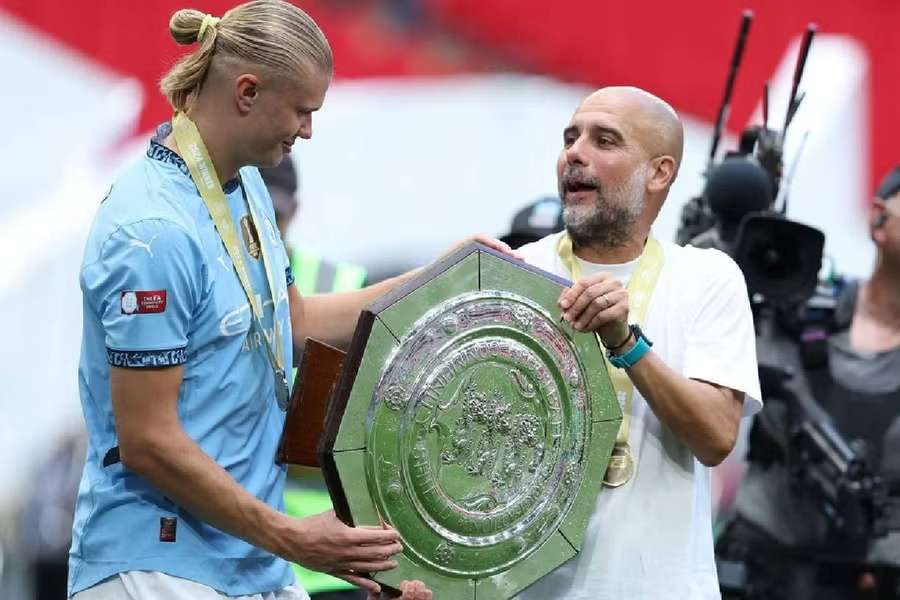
[(271, 34)]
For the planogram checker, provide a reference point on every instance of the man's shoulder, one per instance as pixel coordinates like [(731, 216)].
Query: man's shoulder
[(696, 256), (150, 186), (543, 251), (700, 263), (140, 201)]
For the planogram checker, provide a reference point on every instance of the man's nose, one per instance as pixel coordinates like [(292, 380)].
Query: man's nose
[(305, 129), (575, 153)]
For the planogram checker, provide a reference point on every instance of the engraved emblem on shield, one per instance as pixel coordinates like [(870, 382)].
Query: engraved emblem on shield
[(469, 420)]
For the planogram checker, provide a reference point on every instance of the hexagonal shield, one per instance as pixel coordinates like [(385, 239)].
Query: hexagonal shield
[(475, 421)]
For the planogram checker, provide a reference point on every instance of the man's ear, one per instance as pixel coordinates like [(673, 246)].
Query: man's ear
[(662, 173), (246, 92), (877, 216)]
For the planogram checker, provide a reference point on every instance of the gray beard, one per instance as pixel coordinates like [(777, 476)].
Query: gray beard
[(611, 223)]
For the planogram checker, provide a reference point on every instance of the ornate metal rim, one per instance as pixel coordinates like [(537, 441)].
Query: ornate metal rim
[(461, 536)]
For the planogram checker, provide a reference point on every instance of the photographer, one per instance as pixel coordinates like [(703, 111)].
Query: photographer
[(781, 543)]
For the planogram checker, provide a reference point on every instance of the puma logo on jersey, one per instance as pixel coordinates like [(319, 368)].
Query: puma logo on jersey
[(136, 243)]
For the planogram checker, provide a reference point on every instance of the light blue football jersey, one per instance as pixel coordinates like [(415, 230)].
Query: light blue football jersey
[(159, 289)]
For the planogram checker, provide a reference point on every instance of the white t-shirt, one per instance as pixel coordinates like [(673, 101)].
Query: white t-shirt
[(652, 537)]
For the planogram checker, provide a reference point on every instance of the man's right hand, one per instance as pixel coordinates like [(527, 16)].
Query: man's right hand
[(153, 444), (324, 543), (409, 590)]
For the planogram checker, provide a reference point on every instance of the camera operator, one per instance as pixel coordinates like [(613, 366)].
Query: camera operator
[(781, 544)]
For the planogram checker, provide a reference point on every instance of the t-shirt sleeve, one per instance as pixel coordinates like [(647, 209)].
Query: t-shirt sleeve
[(144, 288), (721, 341), (288, 270)]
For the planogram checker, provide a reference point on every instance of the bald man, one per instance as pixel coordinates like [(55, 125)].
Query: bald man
[(650, 535)]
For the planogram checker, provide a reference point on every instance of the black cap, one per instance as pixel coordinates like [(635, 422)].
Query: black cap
[(890, 185), (537, 220), (282, 182)]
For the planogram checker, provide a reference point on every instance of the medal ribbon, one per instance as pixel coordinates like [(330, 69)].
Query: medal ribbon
[(640, 289), (203, 173)]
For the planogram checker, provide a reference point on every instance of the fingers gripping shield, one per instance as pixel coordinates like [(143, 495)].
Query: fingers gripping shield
[(474, 422)]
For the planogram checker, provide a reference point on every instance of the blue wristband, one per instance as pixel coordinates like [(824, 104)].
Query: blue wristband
[(637, 352)]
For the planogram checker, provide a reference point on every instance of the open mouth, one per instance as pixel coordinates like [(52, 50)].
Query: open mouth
[(573, 186)]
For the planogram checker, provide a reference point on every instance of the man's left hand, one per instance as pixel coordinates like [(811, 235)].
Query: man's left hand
[(485, 240), (409, 590), (597, 303)]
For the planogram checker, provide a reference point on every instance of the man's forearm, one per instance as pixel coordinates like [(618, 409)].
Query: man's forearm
[(703, 416), (177, 466), (332, 318)]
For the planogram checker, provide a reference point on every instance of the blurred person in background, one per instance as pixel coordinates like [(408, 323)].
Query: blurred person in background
[(650, 534), (305, 493), (535, 221), (312, 273), (779, 534), (190, 321), (45, 520)]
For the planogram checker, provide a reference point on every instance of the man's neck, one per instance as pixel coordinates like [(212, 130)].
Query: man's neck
[(876, 320), (217, 145), (880, 296), (606, 255)]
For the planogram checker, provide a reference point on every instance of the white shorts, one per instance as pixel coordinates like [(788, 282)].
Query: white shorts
[(150, 585)]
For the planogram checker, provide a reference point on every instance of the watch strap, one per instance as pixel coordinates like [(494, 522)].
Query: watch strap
[(635, 353)]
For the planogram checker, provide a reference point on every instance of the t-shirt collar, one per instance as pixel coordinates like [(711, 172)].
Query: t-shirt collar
[(157, 151), (621, 271)]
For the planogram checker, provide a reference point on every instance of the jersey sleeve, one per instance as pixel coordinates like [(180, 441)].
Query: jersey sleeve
[(144, 288), (721, 341), (288, 270)]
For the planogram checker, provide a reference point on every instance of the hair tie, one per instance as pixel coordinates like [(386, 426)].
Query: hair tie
[(209, 22)]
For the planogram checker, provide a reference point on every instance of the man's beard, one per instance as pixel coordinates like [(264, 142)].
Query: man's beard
[(616, 211)]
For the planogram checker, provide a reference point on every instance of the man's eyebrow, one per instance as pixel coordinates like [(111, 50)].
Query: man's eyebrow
[(598, 130)]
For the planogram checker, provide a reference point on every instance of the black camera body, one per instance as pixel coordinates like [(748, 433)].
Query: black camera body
[(781, 260), (742, 212)]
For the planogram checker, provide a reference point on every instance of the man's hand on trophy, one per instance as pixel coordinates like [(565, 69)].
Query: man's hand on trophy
[(598, 303), (324, 543), (485, 240), (409, 590)]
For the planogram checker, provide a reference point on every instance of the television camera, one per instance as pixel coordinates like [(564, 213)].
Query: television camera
[(742, 211)]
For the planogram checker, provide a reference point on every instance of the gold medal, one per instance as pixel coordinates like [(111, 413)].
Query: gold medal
[(203, 174), (251, 237), (620, 468)]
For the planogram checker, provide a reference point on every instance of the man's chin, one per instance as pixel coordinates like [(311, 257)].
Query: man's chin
[(577, 230), (270, 161), (576, 216)]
